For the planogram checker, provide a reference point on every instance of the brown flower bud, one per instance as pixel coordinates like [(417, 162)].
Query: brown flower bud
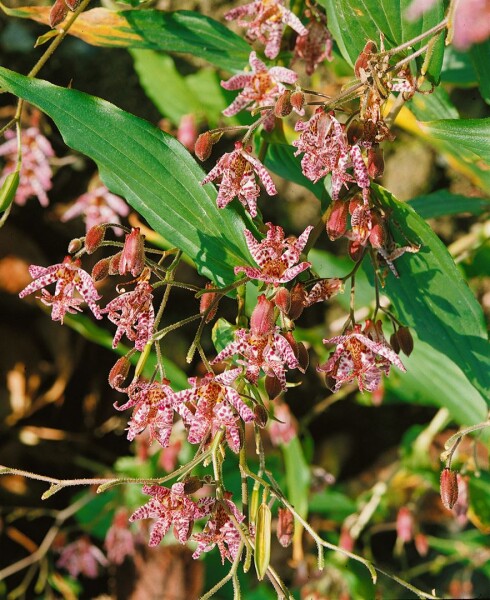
[(283, 106), (405, 340), (303, 357), (355, 250), (377, 235), (101, 269), (262, 319), (272, 386), (94, 238), (133, 254), (58, 12), (282, 300), (298, 100), (114, 263), (191, 485), (298, 299), (72, 4), (449, 488), (204, 146), (261, 415), (119, 372), (362, 61), (394, 343), (205, 302), (285, 527), (75, 245), (376, 163), (337, 219), (355, 132)]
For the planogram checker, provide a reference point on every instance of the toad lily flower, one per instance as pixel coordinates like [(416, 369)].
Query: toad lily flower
[(260, 88), (237, 171), (69, 277), (276, 256), (363, 355), (268, 19)]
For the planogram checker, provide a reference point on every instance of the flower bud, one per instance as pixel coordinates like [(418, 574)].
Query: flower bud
[(133, 254), (272, 386), (75, 245), (58, 12), (254, 504), (282, 300), (355, 132), (375, 162), (119, 372), (337, 219), (72, 4), (262, 319), (298, 101), (362, 61), (263, 530), (101, 269), (94, 238), (191, 485), (377, 235), (8, 190), (298, 299), (421, 544), (303, 357), (355, 250), (283, 106), (204, 146), (449, 488), (285, 527), (261, 415), (394, 343), (404, 525), (205, 302), (405, 340), (114, 263)]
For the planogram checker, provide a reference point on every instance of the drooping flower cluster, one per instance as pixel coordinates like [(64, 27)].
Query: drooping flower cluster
[(35, 173), (268, 19), (81, 557), (364, 355)]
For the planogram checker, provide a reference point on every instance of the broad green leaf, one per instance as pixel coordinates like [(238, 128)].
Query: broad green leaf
[(333, 504), (297, 476), (479, 493), (354, 22), (480, 54), (149, 168), (442, 203), (181, 31), (222, 334), (471, 137), (433, 106), (457, 68), (432, 297)]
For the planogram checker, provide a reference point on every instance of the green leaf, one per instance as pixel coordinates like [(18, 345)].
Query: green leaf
[(149, 168), (433, 106), (432, 297), (442, 203), (181, 31), (297, 476), (223, 333), (480, 54), (471, 137), (479, 493), (457, 68), (354, 22)]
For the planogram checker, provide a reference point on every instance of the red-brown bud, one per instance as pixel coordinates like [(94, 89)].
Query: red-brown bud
[(119, 372), (449, 488), (262, 319), (75, 245), (355, 132), (101, 269), (191, 485), (272, 386), (94, 238), (72, 4), (376, 163), (421, 544), (204, 146), (377, 236), (298, 100), (405, 340), (362, 61), (261, 415), (283, 106), (58, 12), (133, 254), (298, 299), (114, 263), (404, 525), (205, 302), (394, 343), (337, 219), (355, 250), (303, 357), (282, 300), (285, 527)]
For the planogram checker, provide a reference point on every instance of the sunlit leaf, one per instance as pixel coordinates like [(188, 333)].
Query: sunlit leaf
[(443, 203)]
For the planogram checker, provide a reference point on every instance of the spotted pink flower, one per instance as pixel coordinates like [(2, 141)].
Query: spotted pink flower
[(276, 256), (170, 506), (82, 558), (262, 348), (323, 142), (316, 45), (216, 405), (260, 88), (363, 355), (35, 174), (69, 277), (220, 531), (154, 405), (267, 21), (98, 206), (237, 171), (133, 314)]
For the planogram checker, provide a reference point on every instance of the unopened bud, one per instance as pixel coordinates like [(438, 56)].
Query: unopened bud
[(421, 544), (94, 238), (204, 146), (75, 245), (362, 62), (377, 235), (282, 300), (404, 525), (133, 254), (58, 12), (205, 302), (405, 340), (263, 531), (273, 386), (101, 269), (337, 219), (119, 372), (298, 101), (449, 488), (114, 263), (262, 318), (355, 132), (283, 106), (261, 415), (298, 298), (303, 357), (394, 343), (254, 504), (285, 527), (376, 163), (355, 250), (191, 485), (72, 4)]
